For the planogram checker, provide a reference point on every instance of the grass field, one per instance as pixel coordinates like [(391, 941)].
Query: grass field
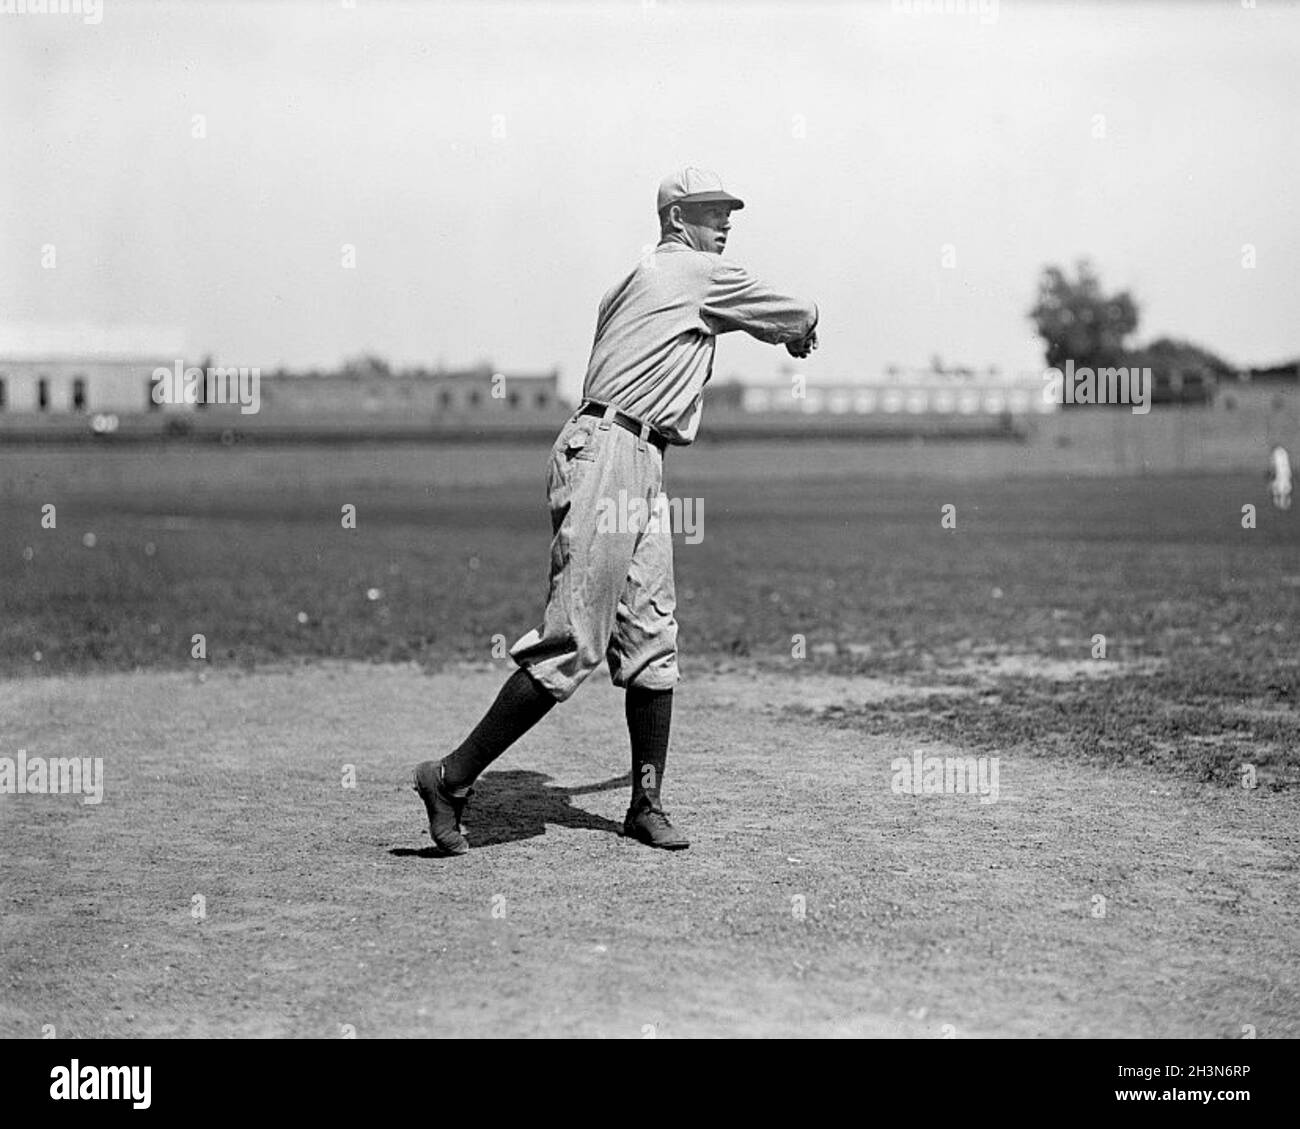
[(1121, 775), (1201, 611)]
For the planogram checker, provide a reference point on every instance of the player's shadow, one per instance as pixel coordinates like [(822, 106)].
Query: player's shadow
[(509, 806)]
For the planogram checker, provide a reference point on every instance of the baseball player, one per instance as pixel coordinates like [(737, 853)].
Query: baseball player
[(611, 591), (1280, 468)]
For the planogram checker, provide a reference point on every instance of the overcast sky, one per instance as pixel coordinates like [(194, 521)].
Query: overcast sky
[(495, 167)]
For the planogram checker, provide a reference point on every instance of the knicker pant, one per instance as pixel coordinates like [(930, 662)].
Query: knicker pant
[(611, 590)]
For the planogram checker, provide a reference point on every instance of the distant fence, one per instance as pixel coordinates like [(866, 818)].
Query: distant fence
[(230, 427), (1235, 433)]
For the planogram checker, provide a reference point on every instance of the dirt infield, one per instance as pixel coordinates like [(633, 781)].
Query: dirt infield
[(1122, 883), (816, 899)]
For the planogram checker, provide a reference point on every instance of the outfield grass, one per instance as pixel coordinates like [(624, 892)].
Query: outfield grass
[(1199, 613)]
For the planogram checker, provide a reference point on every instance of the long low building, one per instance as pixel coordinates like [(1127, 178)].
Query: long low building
[(914, 393), (439, 392), (73, 370)]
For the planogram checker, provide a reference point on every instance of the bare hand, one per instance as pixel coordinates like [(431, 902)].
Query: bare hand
[(803, 346)]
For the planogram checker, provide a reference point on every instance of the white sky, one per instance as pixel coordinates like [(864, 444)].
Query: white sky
[(374, 126)]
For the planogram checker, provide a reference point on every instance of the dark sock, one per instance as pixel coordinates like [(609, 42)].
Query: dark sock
[(520, 705), (649, 718)]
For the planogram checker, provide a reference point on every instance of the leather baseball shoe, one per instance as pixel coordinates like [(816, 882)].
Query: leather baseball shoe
[(651, 826), (443, 808)]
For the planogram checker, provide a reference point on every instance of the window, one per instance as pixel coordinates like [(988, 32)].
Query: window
[(513, 399), (445, 398), (43, 394), (475, 398), (79, 394), (542, 399), (2, 393)]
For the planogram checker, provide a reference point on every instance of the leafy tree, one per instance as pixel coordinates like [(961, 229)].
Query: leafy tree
[(1078, 322), (1174, 352)]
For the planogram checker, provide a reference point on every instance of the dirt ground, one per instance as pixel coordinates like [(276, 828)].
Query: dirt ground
[(230, 884)]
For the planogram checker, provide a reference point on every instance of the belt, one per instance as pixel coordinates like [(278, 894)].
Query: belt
[(626, 422)]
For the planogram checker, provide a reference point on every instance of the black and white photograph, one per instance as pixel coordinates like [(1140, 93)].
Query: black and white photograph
[(650, 520)]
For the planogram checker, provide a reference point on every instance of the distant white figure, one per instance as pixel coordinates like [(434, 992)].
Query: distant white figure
[(1281, 478)]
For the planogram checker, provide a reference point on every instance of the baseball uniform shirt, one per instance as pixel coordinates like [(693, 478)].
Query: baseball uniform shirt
[(611, 590)]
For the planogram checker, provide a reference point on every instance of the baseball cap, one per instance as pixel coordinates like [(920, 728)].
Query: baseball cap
[(694, 186)]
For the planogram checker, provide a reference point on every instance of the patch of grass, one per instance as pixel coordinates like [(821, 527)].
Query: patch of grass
[(1205, 730), (858, 573)]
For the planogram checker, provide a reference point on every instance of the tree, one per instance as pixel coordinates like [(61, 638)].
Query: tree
[(1181, 371), (366, 365), (1078, 322), (1177, 352)]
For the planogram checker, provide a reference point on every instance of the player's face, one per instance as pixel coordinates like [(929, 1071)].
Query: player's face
[(707, 225)]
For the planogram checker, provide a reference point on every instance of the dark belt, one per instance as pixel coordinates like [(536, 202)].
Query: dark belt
[(627, 423)]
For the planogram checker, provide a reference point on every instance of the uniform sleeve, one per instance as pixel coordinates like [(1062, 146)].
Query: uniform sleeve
[(737, 300)]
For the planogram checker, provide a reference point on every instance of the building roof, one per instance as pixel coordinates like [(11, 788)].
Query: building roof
[(430, 376)]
